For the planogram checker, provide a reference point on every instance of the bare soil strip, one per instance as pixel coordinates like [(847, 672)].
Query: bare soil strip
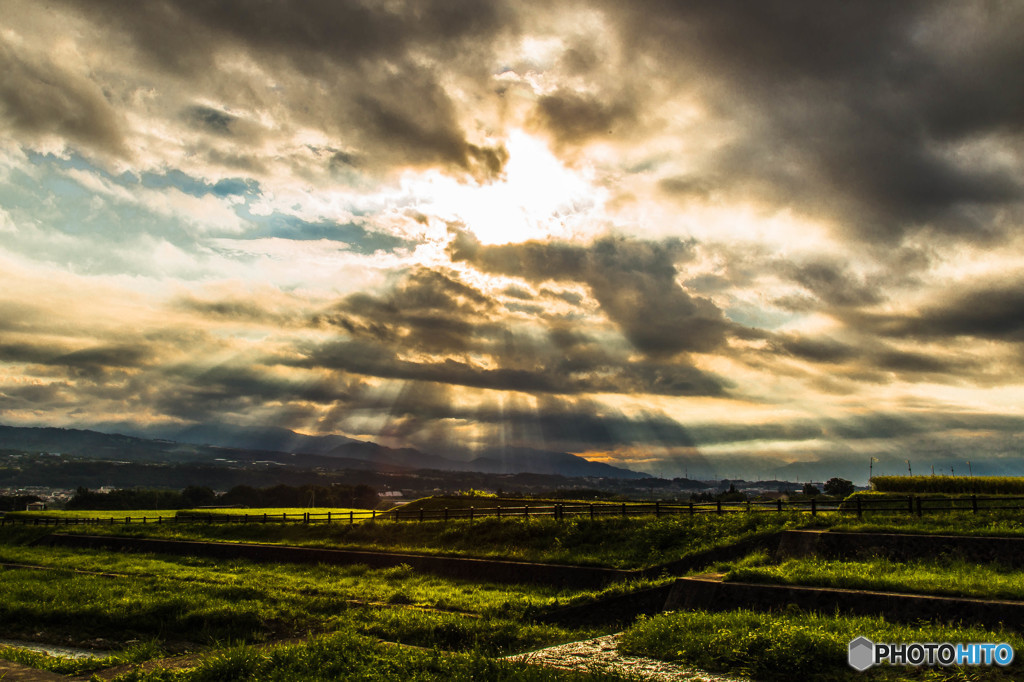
[(600, 655)]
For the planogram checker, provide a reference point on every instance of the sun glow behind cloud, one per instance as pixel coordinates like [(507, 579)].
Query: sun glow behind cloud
[(537, 197), (649, 230)]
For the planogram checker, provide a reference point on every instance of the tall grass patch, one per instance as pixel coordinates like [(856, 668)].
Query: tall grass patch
[(979, 485), (956, 577), (609, 541), (790, 646), (347, 656)]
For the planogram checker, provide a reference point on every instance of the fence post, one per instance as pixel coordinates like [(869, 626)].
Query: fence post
[(860, 511), (471, 513), (127, 520), (910, 504), (328, 518), (446, 513), (499, 511), (623, 508), (814, 507), (657, 508), (351, 517), (919, 510), (691, 508), (526, 511), (974, 503), (373, 514), (718, 506), (748, 505), (591, 511), (778, 505)]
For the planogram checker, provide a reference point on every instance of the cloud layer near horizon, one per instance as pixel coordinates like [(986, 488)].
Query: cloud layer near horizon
[(701, 237)]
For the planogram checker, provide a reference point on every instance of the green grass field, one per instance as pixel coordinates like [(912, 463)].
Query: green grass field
[(980, 485), (239, 612), (118, 514), (613, 541), (799, 645), (957, 577), (292, 512), (184, 603)]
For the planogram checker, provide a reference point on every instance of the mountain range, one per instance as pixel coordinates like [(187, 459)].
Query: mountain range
[(216, 443)]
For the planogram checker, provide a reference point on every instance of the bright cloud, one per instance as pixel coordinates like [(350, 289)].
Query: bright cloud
[(677, 237)]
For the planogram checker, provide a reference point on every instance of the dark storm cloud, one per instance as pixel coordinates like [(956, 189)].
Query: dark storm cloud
[(211, 119), (193, 394), (834, 284), (427, 310), (879, 425), (364, 73), (431, 311), (238, 310), (94, 358), (633, 280), (995, 313), (372, 360), (867, 359), (849, 108), (567, 423), (574, 118), (38, 97)]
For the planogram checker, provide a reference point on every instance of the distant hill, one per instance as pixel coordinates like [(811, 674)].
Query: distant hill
[(514, 460), (268, 438), (229, 443)]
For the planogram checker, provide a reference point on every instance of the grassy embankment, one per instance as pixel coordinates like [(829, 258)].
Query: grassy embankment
[(605, 541), (790, 645), (121, 514), (181, 603), (950, 485), (795, 645), (269, 602), (951, 577)]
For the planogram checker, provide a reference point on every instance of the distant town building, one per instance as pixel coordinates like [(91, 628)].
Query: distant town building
[(35, 506)]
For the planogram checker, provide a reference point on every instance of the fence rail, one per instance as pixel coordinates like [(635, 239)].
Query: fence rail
[(911, 505)]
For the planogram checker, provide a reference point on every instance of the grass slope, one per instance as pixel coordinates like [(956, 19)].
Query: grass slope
[(798, 645), (955, 578), (612, 541)]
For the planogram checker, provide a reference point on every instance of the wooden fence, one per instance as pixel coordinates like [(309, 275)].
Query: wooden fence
[(911, 504)]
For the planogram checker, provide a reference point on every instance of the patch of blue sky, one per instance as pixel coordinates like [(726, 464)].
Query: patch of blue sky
[(171, 179), (53, 199), (358, 238), (750, 315), (197, 187)]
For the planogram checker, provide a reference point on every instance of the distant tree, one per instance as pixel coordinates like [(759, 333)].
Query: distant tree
[(839, 487), (199, 496), (811, 490), (17, 502)]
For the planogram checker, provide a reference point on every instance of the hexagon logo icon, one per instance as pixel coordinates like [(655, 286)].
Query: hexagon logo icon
[(862, 654)]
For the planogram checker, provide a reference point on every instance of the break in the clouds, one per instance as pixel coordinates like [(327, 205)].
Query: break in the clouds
[(713, 238)]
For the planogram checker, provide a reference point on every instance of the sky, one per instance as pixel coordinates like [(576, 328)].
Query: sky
[(712, 239)]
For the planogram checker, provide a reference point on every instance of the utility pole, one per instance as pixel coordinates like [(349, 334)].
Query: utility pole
[(910, 472)]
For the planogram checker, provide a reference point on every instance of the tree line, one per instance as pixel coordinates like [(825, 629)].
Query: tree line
[(359, 496)]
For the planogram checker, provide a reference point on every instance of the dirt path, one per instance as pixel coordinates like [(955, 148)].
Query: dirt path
[(600, 655), (16, 672)]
